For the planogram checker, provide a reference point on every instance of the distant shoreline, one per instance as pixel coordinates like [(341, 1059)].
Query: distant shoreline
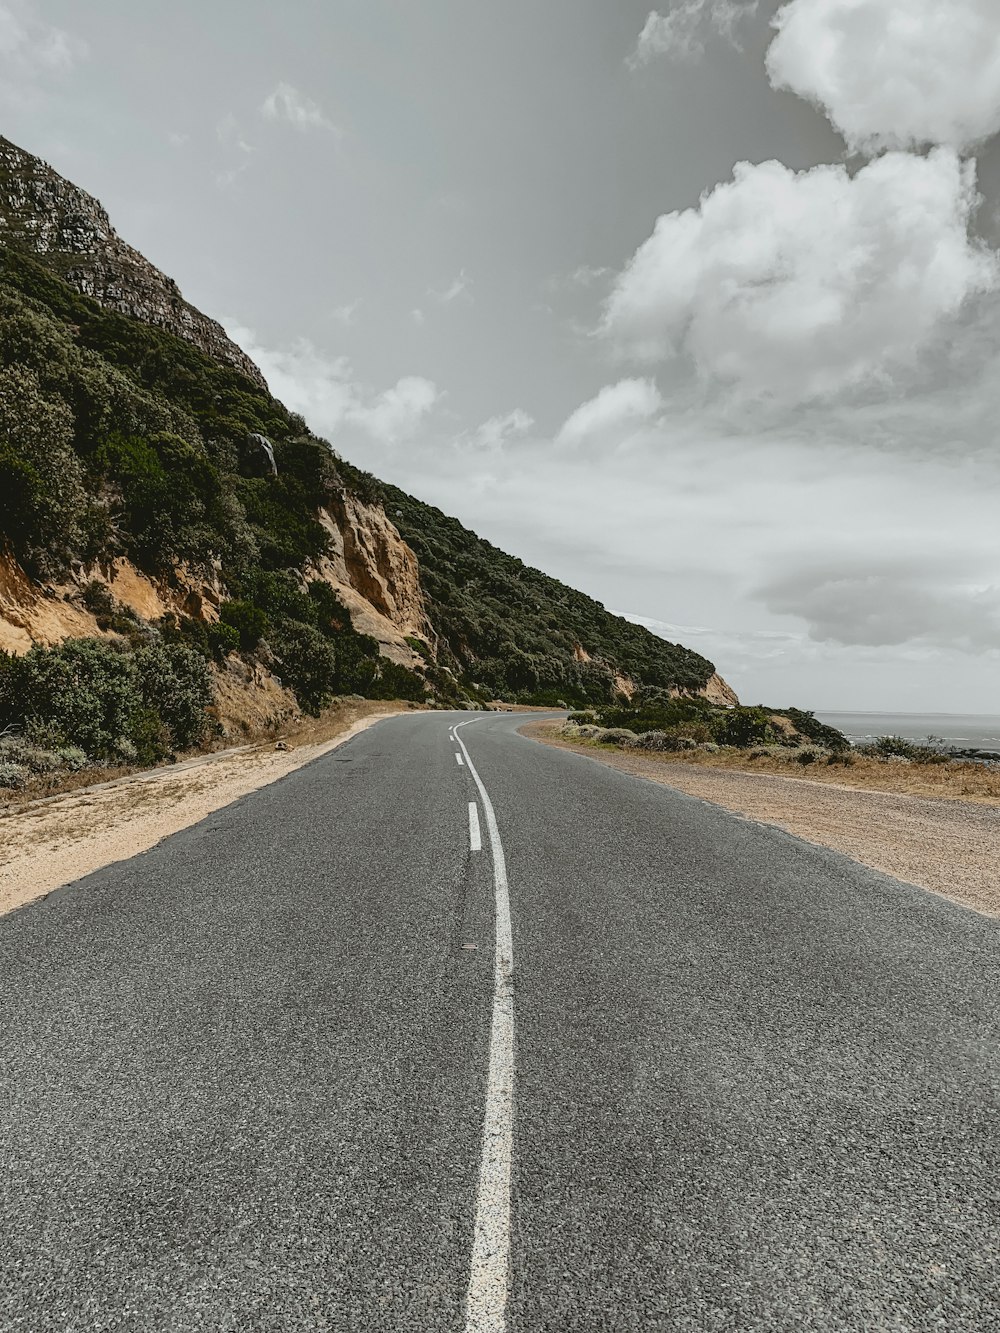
[(974, 736)]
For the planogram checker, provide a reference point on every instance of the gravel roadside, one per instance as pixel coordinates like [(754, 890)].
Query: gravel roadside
[(55, 841), (950, 847)]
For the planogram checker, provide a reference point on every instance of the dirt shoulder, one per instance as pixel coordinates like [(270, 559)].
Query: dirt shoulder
[(50, 842), (946, 845)]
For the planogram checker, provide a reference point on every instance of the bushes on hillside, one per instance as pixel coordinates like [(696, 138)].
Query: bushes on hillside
[(110, 701), (517, 631), (42, 499), (248, 622)]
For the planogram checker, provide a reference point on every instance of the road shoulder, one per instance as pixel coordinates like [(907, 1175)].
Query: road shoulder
[(54, 841), (946, 846)]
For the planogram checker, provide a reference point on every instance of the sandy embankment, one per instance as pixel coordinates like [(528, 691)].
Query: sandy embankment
[(54, 841), (947, 846)]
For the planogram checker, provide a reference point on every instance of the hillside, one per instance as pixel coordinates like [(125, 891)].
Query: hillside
[(154, 497)]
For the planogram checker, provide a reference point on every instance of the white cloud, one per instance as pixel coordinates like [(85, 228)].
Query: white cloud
[(397, 413), (894, 74), (461, 285), (799, 284), (326, 392), (288, 104), (492, 434), (418, 317), (618, 409), (681, 34), (29, 46)]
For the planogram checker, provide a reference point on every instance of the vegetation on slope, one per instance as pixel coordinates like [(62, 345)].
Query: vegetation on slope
[(653, 720), (120, 439), (510, 629)]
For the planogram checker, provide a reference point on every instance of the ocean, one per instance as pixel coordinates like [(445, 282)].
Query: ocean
[(964, 731)]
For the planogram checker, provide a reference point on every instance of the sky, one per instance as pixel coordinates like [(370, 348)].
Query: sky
[(696, 309)]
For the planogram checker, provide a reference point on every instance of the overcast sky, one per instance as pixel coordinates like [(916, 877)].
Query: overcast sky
[(697, 310)]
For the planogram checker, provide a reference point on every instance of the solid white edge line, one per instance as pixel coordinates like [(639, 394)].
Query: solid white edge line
[(475, 837), (486, 1301)]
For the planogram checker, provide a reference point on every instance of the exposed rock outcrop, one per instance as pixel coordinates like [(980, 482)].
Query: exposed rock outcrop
[(46, 614), (717, 691), (70, 232), (377, 576)]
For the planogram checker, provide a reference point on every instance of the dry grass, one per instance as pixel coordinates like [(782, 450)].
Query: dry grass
[(950, 781)]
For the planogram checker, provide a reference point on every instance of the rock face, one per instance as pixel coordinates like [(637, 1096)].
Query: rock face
[(717, 691), (32, 612), (377, 577), (70, 232)]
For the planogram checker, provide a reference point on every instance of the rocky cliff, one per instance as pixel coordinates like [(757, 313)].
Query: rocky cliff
[(69, 230)]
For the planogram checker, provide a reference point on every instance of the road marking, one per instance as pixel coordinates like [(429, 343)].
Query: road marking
[(475, 837), (459, 758), (486, 1302)]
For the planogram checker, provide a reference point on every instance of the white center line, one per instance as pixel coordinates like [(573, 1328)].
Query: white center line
[(486, 1302), (459, 758), (475, 837)]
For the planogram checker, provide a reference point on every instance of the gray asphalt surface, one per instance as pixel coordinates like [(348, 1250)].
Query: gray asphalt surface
[(244, 1073)]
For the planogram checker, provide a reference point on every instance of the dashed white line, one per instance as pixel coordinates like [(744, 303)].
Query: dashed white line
[(458, 759), (475, 837), (486, 1302)]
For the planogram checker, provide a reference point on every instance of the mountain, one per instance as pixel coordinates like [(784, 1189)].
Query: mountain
[(155, 497)]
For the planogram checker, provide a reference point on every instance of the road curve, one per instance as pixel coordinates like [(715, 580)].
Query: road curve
[(246, 1074)]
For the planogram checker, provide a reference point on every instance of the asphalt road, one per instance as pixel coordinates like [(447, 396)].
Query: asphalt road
[(245, 1074)]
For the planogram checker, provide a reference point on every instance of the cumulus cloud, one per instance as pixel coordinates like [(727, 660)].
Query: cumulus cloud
[(327, 393), (618, 409), (800, 284), (30, 46), (681, 34), (887, 603), (495, 432), (891, 74), (397, 413), (287, 104)]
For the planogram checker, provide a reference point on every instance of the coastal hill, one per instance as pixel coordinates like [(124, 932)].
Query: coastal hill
[(156, 499)]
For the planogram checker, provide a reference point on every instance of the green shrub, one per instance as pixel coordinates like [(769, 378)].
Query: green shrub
[(617, 736), (223, 639), (176, 689), (97, 598), (807, 724), (743, 727), (396, 682), (35, 758), (106, 700), (249, 622), (187, 630), (306, 662), (12, 775), (171, 498), (42, 499)]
